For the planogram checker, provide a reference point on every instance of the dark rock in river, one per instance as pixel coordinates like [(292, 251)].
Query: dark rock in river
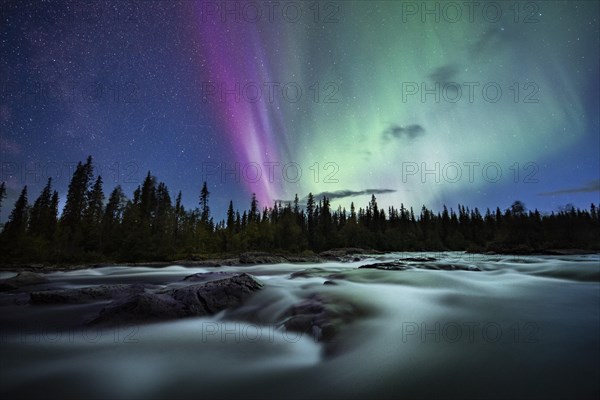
[(345, 254), (24, 278), (140, 308), (214, 296), (386, 266), (322, 318), (197, 299), (85, 295), (261, 258), (208, 276), (403, 266), (418, 259), (309, 272)]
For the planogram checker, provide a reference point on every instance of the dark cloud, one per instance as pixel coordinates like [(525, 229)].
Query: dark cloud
[(444, 74), (340, 194), (593, 186), (399, 132)]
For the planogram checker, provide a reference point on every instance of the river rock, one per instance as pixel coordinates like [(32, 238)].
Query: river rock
[(403, 266), (24, 278), (196, 299), (261, 258), (86, 294), (208, 276), (349, 254), (309, 272), (322, 318)]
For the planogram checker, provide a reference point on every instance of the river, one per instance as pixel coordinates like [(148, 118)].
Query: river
[(522, 327)]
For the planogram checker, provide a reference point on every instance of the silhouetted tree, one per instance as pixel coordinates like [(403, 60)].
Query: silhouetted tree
[(14, 243), (71, 227), (150, 227), (112, 230), (43, 215), (204, 209), (92, 218)]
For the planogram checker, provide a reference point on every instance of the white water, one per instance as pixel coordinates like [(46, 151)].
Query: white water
[(523, 327)]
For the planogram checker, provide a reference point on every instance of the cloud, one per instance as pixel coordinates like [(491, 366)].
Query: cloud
[(593, 186), (399, 132), (444, 74), (340, 194)]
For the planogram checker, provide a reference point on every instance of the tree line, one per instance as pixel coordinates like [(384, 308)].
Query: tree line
[(151, 226)]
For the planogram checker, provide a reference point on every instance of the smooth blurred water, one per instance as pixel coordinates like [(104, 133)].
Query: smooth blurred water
[(524, 326)]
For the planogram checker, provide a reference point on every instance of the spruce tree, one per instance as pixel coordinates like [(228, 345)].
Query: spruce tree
[(204, 208), (112, 220), (70, 242), (18, 220), (14, 244), (230, 217), (253, 216), (42, 221)]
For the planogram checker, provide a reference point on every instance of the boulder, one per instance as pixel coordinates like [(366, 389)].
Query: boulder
[(322, 317), (261, 258), (344, 254), (196, 299), (208, 276), (140, 308), (24, 278), (386, 266), (85, 295)]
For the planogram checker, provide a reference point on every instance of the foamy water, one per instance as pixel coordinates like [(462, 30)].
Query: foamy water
[(524, 326)]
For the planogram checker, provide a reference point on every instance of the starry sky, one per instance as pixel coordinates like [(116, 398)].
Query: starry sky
[(415, 102)]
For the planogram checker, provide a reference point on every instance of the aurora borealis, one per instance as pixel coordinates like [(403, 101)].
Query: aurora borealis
[(416, 102)]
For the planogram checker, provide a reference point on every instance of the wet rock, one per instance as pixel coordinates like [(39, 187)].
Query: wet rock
[(386, 266), (449, 267), (208, 276), (304, 258), (418, 259), (22, 279), (332, 283), (345, 254), (311, 317), (214, 296), (140, 308), (261, 258), (309, 272), (403, 266), (197, 299), (85, 295), (322, 318)]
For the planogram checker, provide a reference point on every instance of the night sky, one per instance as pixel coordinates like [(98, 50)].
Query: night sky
[(498, 103)]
